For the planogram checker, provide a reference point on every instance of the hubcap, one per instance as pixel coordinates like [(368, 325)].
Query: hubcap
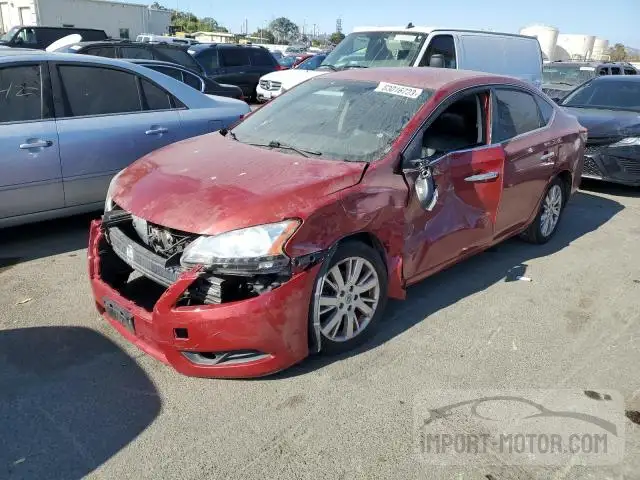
[(350, 291), (551, 210)]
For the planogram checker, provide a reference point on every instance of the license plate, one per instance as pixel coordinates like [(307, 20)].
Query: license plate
[(119, 314)]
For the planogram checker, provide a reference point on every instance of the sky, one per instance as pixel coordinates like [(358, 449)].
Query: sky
[(614, 20)]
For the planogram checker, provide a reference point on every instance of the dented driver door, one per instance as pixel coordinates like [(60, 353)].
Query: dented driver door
[(462, 218)]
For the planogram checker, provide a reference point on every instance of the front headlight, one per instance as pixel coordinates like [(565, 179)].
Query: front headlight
[(108, 203), (627, 142), (256, 249)]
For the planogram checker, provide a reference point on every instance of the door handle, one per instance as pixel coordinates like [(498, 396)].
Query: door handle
[(547, 156), (482, 177), (36, 144), (156, 131)]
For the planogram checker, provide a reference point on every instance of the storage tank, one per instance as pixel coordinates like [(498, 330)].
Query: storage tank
[(600, 49), (579, 47), (547, 37)]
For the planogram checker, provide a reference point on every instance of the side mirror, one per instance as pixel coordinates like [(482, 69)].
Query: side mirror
[(556, 100), (425, 187), (436, 61)]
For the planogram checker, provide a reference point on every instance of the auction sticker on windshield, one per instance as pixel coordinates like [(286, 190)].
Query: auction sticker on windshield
[(400, 90)]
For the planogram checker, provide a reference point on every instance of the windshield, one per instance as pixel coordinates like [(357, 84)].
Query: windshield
[(311, 63), (609, 94), (376, 49), (287, 61), (338, 119), (567, 74), (9, 35)]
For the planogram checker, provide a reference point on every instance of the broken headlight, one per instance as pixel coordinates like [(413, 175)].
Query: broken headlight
[(250, 250), (108, 203)]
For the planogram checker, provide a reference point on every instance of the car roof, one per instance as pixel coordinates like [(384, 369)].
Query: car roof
[(423, 77), (617, 78), (60, 28), (204, 46), (44, 56), (117, 41)]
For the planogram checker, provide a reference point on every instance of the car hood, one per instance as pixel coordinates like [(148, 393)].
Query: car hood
[(212, 184), (607, 123), (292, 77)]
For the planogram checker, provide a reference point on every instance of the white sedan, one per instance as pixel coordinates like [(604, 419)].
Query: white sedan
[(275, 83)]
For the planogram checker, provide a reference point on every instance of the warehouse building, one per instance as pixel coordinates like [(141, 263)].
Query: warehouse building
[(118, 19)]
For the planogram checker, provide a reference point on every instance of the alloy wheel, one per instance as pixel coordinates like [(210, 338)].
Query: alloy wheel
[(350, 293), (551, 210)]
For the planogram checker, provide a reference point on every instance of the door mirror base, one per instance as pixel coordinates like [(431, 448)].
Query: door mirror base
[(425, 187)]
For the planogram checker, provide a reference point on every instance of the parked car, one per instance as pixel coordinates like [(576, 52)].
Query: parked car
[(609, 107), (286, 234), (519, 56), (277, 54), (301, 58), (240, 65), (136, 50), (287, 62), (275, 83), (68, 123), (40, 38), (559, 78), (151, 38), (193, 79)]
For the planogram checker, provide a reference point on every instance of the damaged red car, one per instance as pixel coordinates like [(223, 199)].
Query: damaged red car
[(239, 253)]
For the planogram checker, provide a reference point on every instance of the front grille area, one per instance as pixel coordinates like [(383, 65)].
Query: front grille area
[(270, 85), (591, 168), (630, 166)]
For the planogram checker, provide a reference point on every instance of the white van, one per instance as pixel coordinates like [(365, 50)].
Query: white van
[(499, 53)]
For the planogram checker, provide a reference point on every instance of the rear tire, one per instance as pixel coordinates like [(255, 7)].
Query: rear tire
[(545, 225), (353, 296)]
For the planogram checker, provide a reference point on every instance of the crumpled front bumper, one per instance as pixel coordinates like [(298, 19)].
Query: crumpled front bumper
[(614, 166), (275, 323)]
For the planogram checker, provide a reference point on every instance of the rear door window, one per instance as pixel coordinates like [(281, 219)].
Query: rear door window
[(192, 80), (209, 59), (136, 52), (109, 52), (615, 70), (234, 57), (260, 57), (88, 90), (630, 71), (172, 72), (20, 93), (514, 113), (153, 97)]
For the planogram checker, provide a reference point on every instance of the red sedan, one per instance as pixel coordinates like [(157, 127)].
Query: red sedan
[(239, 253)]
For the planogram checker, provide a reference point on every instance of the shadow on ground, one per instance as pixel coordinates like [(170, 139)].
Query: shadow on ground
[(70, 399), (609, 188), (584, 214), (43, 239)]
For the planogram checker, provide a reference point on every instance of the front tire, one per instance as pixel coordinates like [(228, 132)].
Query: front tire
[(352, 297), (545, 224)]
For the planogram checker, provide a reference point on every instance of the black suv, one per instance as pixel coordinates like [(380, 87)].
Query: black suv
[(136, 51), (559, 78), (240, 65), (40, 38)]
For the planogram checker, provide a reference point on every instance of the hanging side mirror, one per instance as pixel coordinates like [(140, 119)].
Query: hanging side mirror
[(425, 186)]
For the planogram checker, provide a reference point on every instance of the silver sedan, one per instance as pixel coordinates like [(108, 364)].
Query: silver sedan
[(68, 123)]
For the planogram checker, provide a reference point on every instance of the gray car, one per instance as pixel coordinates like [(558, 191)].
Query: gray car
[(69, 123)]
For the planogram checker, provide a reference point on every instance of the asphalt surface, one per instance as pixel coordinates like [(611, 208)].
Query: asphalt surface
[(76, 400)]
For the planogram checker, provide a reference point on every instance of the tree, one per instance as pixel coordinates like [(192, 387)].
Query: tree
[(157, 6), (284, 29), (266, 35), (336, 37), (618, 53), (187, 22)]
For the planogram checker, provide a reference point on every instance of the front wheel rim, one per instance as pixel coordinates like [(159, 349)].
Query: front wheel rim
[(551, 209), (349, 298)]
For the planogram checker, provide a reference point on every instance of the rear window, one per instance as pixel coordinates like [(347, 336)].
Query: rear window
[(176, 55), (109, 52), (261, 58)]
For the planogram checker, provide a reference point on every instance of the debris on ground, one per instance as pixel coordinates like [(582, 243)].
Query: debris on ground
[(23, 301)]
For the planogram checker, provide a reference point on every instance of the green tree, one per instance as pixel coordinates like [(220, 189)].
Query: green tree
[(187, 22), (157, 6), (618, 53), (266, 35), (284, 29), (336, 37)]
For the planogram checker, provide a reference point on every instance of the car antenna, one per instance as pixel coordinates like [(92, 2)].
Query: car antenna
[(410, 25)]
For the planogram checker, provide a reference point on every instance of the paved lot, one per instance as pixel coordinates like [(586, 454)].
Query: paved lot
[(76, 400)]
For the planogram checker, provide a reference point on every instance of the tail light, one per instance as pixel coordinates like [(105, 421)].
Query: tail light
[(280, 67)]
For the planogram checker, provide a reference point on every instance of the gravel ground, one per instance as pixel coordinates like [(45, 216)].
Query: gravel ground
[(76, 400)]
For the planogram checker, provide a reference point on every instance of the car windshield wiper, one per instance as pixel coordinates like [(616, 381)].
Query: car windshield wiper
[(355, 66), (284, 146), (330, 67), (561, 83)]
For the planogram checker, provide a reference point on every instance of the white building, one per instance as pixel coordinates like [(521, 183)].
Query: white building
[(214, 37), (118, 19), (600, 49), (547, 37)]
